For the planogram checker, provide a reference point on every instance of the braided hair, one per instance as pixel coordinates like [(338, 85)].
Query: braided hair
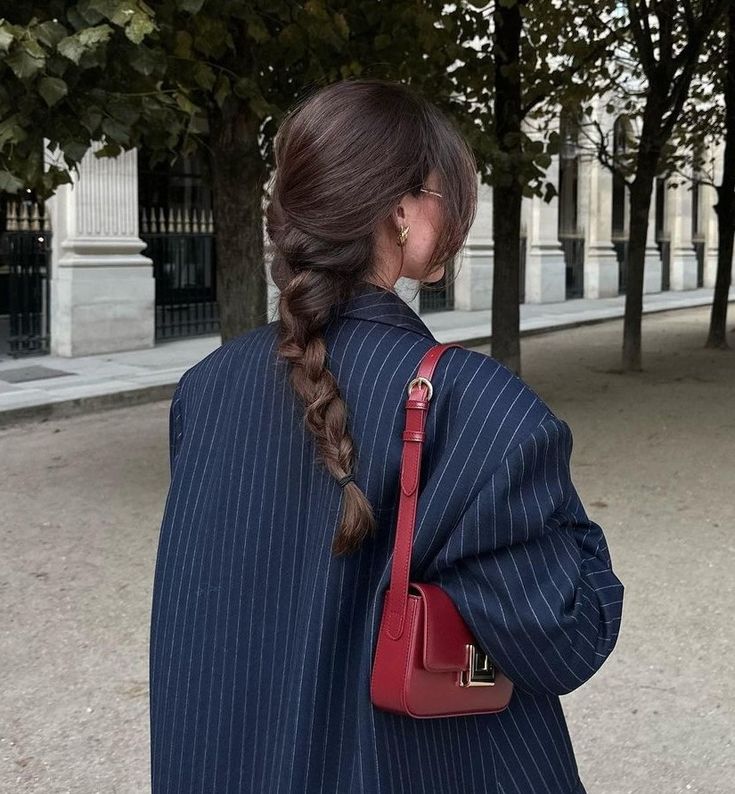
[(344, 157)]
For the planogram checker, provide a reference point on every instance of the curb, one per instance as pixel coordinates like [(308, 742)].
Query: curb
[(85, 405), (147, 394)]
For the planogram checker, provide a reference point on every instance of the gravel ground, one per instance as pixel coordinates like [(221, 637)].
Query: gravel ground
[(653, 461)]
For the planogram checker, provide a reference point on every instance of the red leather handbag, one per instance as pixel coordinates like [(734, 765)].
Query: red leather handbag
[(427, 662)]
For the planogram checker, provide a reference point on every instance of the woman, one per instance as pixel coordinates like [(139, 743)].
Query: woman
[(276, 540)]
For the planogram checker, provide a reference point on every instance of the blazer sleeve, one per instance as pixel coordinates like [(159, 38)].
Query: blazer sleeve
[(530, 573)]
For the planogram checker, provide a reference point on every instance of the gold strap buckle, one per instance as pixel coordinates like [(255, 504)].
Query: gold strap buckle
[(426, 383), (480, 669)]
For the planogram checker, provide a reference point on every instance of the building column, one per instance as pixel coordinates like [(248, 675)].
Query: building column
[(102, 287), (600, 262), (545, 265), (683, 256), (473, 284)]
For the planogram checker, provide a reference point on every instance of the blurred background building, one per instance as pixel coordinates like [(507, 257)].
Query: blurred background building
[(125, 258)]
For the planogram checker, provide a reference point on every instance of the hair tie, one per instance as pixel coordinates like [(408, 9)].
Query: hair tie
[(347, 478)]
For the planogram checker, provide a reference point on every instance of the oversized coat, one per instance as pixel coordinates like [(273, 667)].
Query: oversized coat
[(262, 640)]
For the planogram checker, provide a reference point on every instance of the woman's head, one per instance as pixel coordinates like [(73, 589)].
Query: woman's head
[(372, 183), (351, 160)]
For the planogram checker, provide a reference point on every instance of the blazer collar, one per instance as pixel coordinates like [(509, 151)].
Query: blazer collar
[(380, 305)]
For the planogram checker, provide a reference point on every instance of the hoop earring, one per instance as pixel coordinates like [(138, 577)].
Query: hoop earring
[(403, 235)]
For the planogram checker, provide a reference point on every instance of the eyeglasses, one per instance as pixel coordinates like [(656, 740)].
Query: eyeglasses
[(431, 192)]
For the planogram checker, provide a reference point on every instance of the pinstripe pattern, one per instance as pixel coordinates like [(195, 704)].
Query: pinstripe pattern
[(262, 642)]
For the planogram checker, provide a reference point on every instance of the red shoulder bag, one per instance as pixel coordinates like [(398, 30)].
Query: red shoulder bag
[(427, 662)]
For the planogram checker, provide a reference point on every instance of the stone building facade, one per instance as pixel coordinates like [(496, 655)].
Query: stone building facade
[(123, 259)]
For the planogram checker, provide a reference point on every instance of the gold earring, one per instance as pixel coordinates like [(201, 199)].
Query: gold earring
[(403, 235)]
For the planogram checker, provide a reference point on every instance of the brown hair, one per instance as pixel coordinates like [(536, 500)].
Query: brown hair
[(344, 157)]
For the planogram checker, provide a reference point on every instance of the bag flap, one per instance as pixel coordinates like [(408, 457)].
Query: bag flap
[(445, 633)]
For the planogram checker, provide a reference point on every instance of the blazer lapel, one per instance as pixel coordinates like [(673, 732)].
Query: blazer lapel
[(381, 305)]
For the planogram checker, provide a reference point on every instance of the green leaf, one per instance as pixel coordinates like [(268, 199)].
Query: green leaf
[(52, 89), (182, 44), (139, 26), (74, 151), (108, 150), (244, 87), (257, 29), (115, 130), (9, 183), (73, 47), (146, 61), (51, 33), (92, 37), (185, 103), (204, 76), (190, 6), (24, 64), (6, 37), (222, 90), (90, 13)]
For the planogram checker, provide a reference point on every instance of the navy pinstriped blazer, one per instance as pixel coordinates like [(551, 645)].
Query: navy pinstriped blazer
[(262, 641)]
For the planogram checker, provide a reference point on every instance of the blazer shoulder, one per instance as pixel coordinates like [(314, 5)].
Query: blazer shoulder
[(487, 400), (225, 361)]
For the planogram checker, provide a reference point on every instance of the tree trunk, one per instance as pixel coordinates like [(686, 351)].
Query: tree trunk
[(507, 189), (238, 176), (725, 206), (640, 204)]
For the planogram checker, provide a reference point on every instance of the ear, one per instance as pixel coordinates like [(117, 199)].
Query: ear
[(399, 216)]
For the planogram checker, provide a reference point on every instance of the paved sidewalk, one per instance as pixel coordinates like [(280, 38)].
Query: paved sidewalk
[(45, 386)]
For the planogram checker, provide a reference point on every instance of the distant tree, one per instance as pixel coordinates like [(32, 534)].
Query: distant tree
[(548, 54), (725, 206), (662, 49), (217, 75), (708, 125)]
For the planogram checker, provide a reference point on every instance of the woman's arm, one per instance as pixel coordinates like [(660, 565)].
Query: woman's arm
[(531, 573)]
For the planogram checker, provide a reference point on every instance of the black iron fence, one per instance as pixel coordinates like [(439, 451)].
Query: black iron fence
[(182, 247), (438, 297), (25, 253)]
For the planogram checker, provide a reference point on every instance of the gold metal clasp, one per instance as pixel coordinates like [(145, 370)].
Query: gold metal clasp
[(480, 669), (426, 383)]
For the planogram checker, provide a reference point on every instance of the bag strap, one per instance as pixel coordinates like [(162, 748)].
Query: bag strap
[(420, 391)]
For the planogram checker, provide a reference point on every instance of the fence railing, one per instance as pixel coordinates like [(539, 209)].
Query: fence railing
[(438, 297), (25, 246), (181, 244)]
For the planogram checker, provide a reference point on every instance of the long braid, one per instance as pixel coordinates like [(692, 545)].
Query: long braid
[(304, 308), (344, 157)]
